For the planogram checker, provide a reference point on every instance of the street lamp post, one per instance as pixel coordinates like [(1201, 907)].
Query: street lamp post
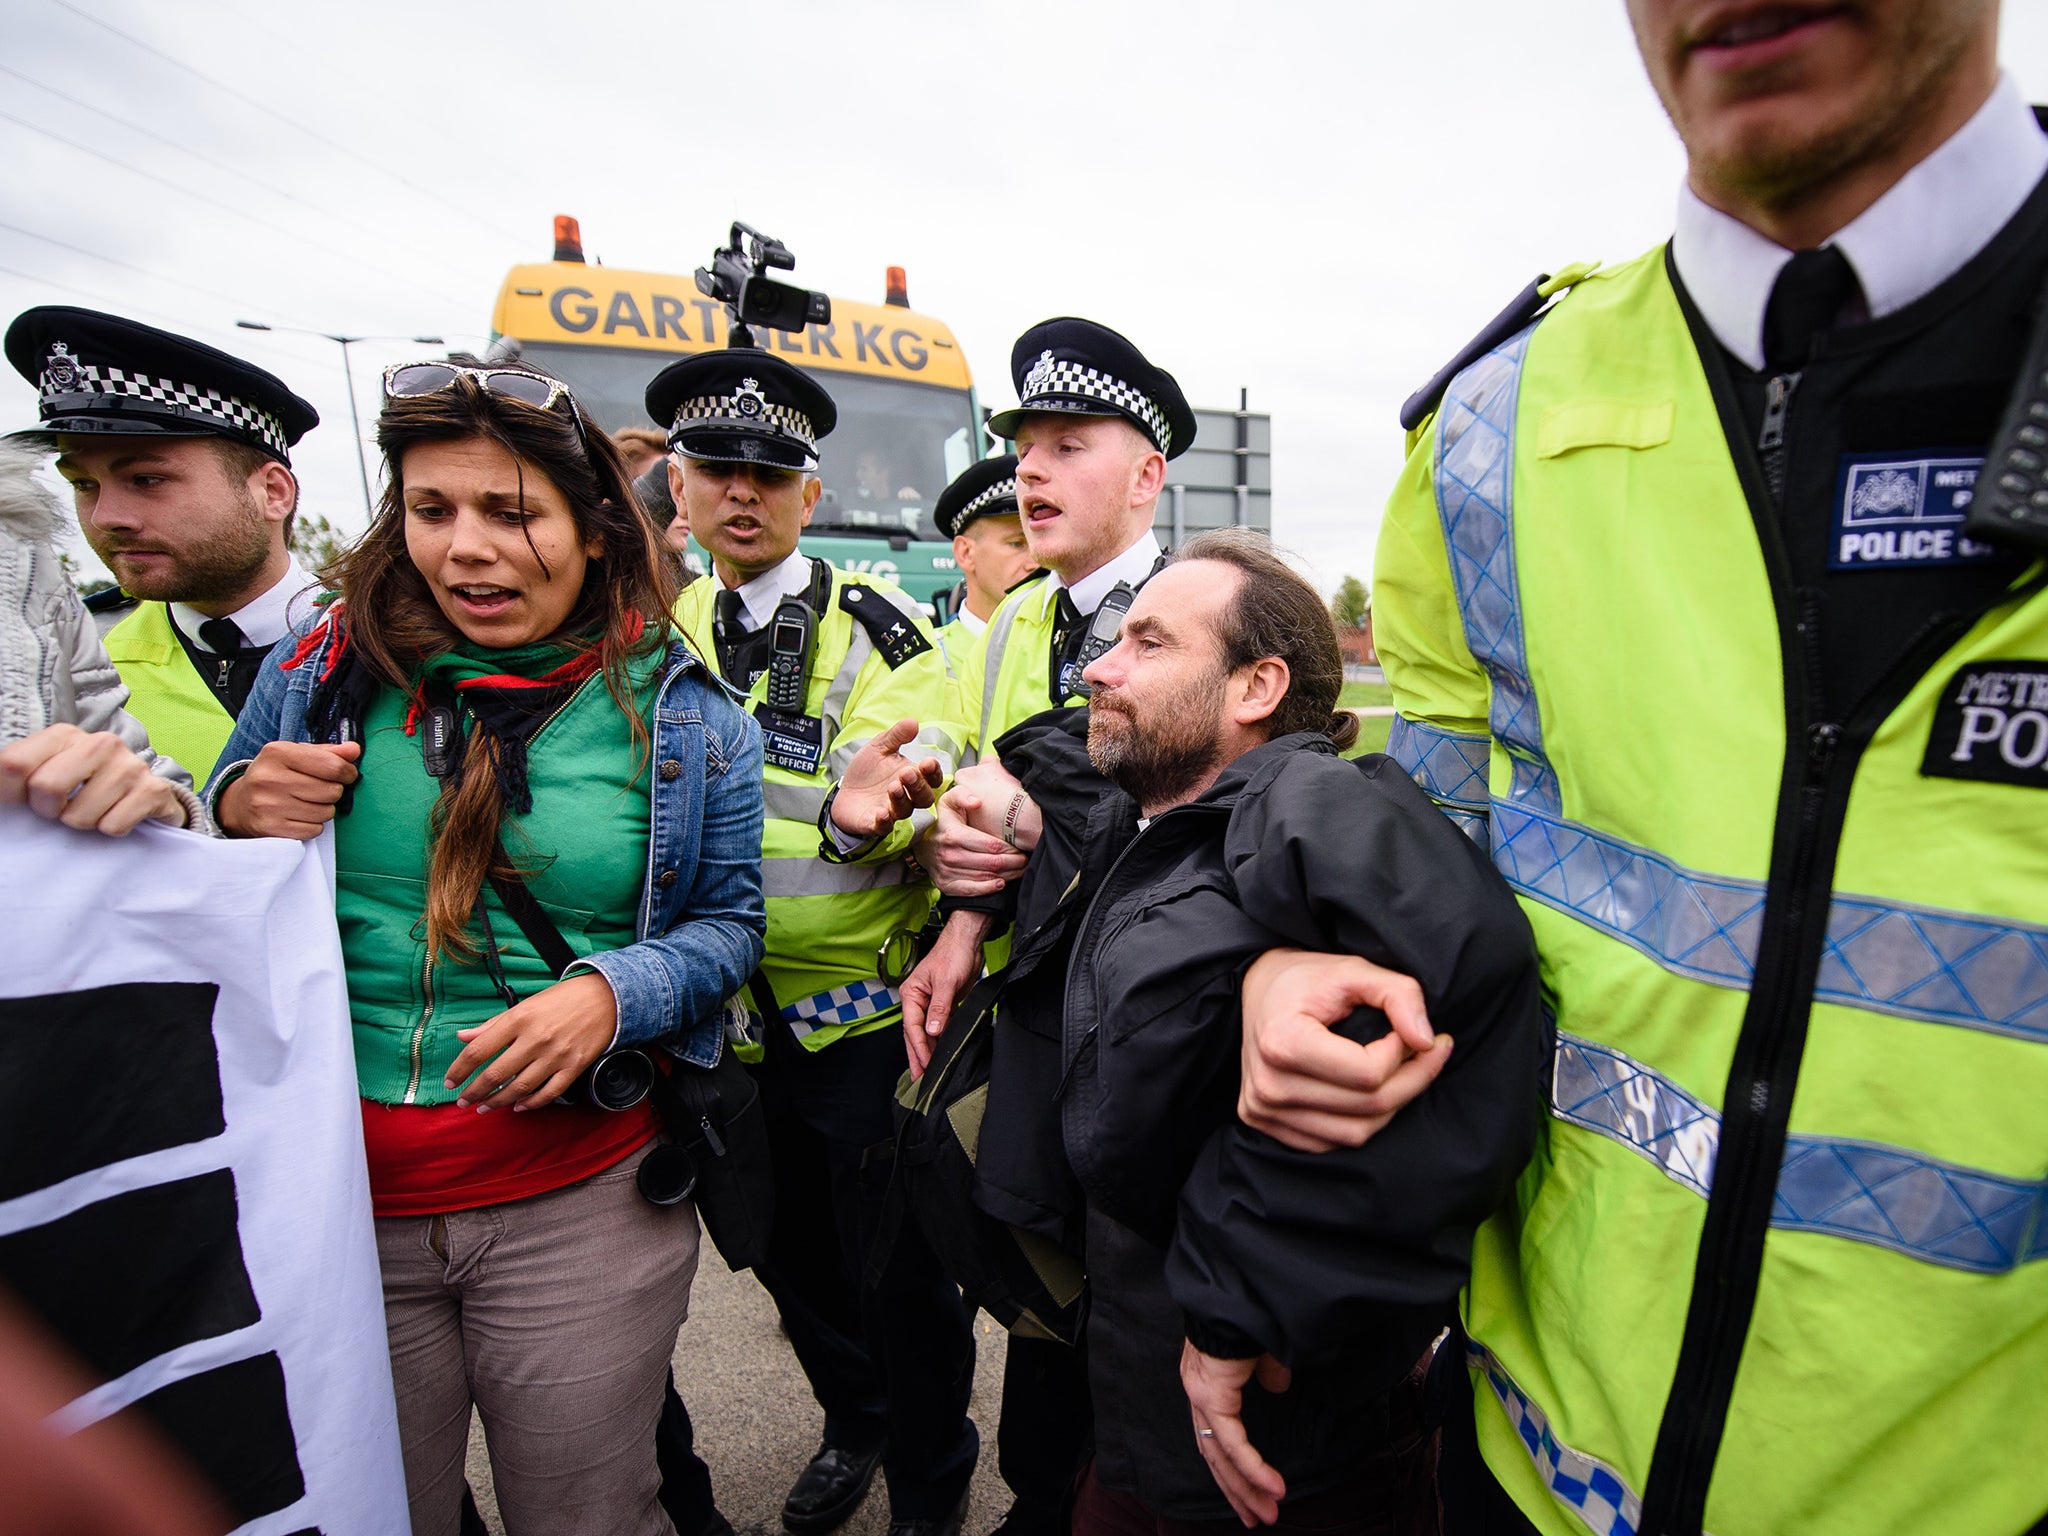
[(348, 373)]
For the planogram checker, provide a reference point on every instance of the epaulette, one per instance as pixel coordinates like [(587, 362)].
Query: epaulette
[(893, 630), (110, 600), (1529, 305)]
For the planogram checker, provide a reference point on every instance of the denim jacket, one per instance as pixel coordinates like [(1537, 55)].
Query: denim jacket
[(701, 924)]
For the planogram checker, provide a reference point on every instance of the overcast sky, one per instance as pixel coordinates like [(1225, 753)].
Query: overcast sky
[(1317, 202)]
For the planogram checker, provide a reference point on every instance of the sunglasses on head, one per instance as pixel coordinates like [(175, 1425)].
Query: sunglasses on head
[(405, 381)]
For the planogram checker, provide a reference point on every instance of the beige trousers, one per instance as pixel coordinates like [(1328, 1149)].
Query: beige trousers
[(556, 1316)]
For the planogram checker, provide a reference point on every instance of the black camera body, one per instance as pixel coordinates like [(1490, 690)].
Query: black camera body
[(737, 278)]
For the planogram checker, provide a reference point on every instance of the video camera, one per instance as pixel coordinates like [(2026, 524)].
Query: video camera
[(736, 278)]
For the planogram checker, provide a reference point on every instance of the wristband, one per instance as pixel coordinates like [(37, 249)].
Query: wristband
[(1010, 818)]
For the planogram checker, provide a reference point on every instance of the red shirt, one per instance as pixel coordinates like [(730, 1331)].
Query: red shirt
[(430, 1158)]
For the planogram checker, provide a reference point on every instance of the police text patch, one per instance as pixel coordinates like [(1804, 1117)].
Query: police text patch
[(1992, 724), (1892, 511), (795, 743)]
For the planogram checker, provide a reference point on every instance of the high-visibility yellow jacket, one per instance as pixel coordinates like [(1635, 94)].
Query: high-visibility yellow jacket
[(1584, 642), (185, 718), (1004, 675), (829, 917)]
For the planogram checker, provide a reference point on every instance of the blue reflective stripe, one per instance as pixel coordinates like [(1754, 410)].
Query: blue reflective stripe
[(1914, 962), (1585, 1485), (850, 1004), (1449, 765), (1475, 484), (1941, 1213)]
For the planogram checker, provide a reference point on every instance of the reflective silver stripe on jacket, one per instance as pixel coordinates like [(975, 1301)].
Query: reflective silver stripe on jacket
[(1867, 1192), (1583, 1484), (815, 877), (991, 672), (1913, 962), (1450, 766), (794, 802)]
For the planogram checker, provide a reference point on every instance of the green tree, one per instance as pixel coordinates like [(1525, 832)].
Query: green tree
[(1352, 605), (84, 584), (316, 541)]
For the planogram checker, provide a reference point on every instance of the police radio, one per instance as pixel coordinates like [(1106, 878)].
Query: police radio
[(2011, 503), (1105, 627), (790, 635)]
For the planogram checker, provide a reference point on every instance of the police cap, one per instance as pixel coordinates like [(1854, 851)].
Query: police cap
[(984, 489), (1090, 370), (99, 373), (742, 405)]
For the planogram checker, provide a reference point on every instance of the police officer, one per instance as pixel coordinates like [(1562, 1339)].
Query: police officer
[(1095, 426), (1685, 615), (179, 460), (978, 512), (845, 680)]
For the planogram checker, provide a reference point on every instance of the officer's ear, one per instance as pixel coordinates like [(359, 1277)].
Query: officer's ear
[(1148, 472), (813, 489), (275, 489)]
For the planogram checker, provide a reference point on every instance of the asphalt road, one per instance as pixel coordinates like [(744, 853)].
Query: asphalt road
[(757, 1423)]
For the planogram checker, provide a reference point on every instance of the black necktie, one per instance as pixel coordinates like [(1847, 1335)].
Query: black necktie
[(1812, 291), (221, 636), (1067, 630)]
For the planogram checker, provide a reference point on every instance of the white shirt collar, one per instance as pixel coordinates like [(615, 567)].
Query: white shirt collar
[(968, 620), (759, 596), (1903, 246), (266, 620), (1132, 567)]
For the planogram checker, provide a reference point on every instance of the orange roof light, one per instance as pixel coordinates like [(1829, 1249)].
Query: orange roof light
[(899, 289), (568, 238)]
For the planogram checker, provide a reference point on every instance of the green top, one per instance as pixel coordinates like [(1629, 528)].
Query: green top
[(584, 845)]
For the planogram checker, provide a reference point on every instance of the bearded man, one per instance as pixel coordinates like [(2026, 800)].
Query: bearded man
[(1243, 1363)]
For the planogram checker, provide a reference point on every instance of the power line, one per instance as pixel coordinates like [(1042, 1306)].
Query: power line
[(269, 111), (203, 158), (128, 307), (114, 261), (214, 202)]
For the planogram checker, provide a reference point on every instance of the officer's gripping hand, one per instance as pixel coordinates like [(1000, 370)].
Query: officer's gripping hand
[(1215, 1391), (930, 991), (962, 859), (537, 1048), (1314, 1090), (90, 780), (880, 786), (290, 790)]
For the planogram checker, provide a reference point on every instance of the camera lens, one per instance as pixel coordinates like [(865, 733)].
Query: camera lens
[(620, 1079), (667, 1175)]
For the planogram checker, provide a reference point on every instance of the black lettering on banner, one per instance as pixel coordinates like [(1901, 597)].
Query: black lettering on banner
[(788, 341), (868, 339), (708, 311), (1991, 724), (586, 312), (138, 1274), (794, 743), (235, 1425), (918, 355), (623, 312), (668, 317), (94, 1077), (821, 338)]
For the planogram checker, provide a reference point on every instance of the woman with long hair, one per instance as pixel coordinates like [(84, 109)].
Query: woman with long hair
[(516, 755)]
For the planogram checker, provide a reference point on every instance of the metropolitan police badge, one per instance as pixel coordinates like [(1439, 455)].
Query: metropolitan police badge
[(60, 370), (1040, 374), (748, 400)]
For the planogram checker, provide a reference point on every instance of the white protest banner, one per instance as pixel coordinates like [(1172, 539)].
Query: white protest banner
[(183, 1201)]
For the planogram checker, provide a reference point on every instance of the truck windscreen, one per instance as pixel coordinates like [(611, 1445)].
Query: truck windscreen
[(897, 445)]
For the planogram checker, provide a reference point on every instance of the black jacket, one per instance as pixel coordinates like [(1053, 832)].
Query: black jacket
[(1342, 1265)]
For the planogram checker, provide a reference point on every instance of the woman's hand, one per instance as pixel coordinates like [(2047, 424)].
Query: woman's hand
[(86, 779), (290, 790), (537, 1048)]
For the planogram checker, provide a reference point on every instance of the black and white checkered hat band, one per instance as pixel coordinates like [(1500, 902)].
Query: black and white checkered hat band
[(1049, 380), (1002, 490), (89, 381), (725, 411)]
